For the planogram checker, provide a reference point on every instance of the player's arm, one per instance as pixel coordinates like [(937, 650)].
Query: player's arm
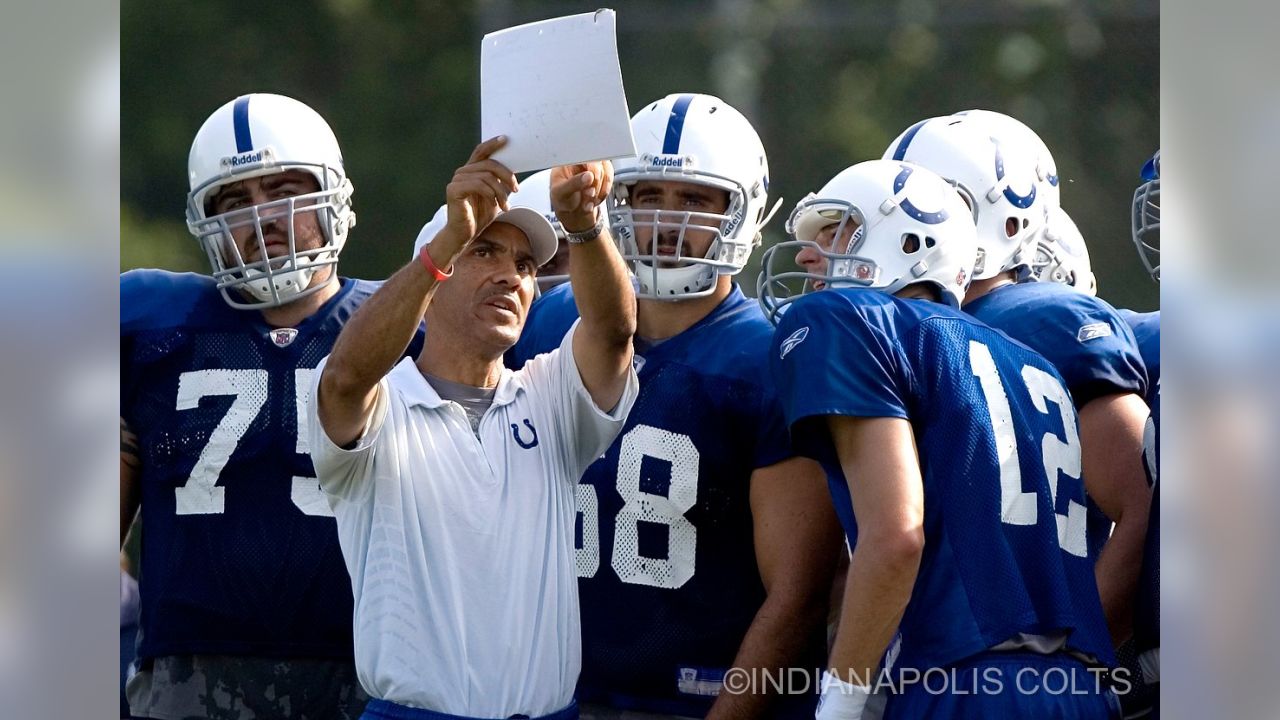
[(882, 467), (130, 492), (1111, 434), (375, 338), (797, 544), (601, 287)]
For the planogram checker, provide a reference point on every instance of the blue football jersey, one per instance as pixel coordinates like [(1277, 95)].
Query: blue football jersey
[(1146, 628), (240, 551), (1005, 547), (1085, 338), (668, 579), (1146, 332), (1146, 329), (550, 318)]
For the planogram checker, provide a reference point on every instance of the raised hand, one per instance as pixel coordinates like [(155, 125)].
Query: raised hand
[(478, 192), (577, 191)]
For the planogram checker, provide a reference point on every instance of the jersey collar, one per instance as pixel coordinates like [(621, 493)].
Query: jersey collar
[(415, 389), (731, 302), (324, 314)]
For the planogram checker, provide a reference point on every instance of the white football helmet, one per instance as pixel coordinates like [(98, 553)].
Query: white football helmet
[(1146, 217), (911, 227), (1061, 255), (252, 136), (535, 192), (696, 139), (996, 178), (1008, 129)]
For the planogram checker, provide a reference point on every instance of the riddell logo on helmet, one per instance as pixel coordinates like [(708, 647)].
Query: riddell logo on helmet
[(249, 158), (672, 161)]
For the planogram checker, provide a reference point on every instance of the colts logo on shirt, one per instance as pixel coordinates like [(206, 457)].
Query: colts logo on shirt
[(515, 433), (1093, 331), (793, 340)]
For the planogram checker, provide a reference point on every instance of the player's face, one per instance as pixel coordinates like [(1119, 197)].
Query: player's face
[(667, 202), (814, 262), (557, 265), (238, 198), (491, 289)]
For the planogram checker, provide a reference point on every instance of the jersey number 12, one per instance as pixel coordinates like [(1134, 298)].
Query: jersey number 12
[(1018, 507)]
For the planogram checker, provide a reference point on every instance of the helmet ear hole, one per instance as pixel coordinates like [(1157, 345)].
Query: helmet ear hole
[(1011, 226), (910, 243)]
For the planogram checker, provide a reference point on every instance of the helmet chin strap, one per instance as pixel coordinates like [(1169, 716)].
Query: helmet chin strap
[(286, 285), (674, 283)]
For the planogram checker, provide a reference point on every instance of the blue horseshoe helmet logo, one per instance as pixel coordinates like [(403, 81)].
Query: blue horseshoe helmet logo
[(929, 218), (1018, 201)]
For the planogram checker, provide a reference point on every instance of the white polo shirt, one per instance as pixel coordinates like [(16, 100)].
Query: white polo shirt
[(460, 548)]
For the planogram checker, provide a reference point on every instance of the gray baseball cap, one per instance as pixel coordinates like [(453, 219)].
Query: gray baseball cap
[(542, 237)]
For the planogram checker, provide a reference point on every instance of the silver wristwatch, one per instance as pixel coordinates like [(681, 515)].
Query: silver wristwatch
[(577, 238)]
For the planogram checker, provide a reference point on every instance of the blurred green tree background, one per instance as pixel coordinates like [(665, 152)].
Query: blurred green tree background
[(827, 83)]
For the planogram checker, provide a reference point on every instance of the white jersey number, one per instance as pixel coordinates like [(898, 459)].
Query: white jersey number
[(639, 506), (1058, 454), (201, 494)]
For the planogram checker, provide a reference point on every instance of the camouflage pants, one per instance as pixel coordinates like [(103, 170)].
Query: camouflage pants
[(222, 687)]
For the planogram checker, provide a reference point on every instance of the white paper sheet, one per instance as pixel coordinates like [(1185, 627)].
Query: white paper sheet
[(554, 88)]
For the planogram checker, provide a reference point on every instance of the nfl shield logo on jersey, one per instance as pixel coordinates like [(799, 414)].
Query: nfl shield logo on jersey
[(282, 337)]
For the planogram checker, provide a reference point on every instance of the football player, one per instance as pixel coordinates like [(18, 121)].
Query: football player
[(1058, 251), (1061, 255), (535, 192), (705, 544), (954, 456), (246, 603), (1146, 217), (1146, 328), (997, 172), (1145, 230)]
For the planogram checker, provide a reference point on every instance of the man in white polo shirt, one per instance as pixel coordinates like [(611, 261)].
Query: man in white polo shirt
[(452, 478)]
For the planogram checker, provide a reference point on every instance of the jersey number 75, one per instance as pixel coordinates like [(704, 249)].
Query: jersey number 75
[(201, 494)]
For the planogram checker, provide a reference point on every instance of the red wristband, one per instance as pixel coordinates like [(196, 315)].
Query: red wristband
[(436, 272)]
